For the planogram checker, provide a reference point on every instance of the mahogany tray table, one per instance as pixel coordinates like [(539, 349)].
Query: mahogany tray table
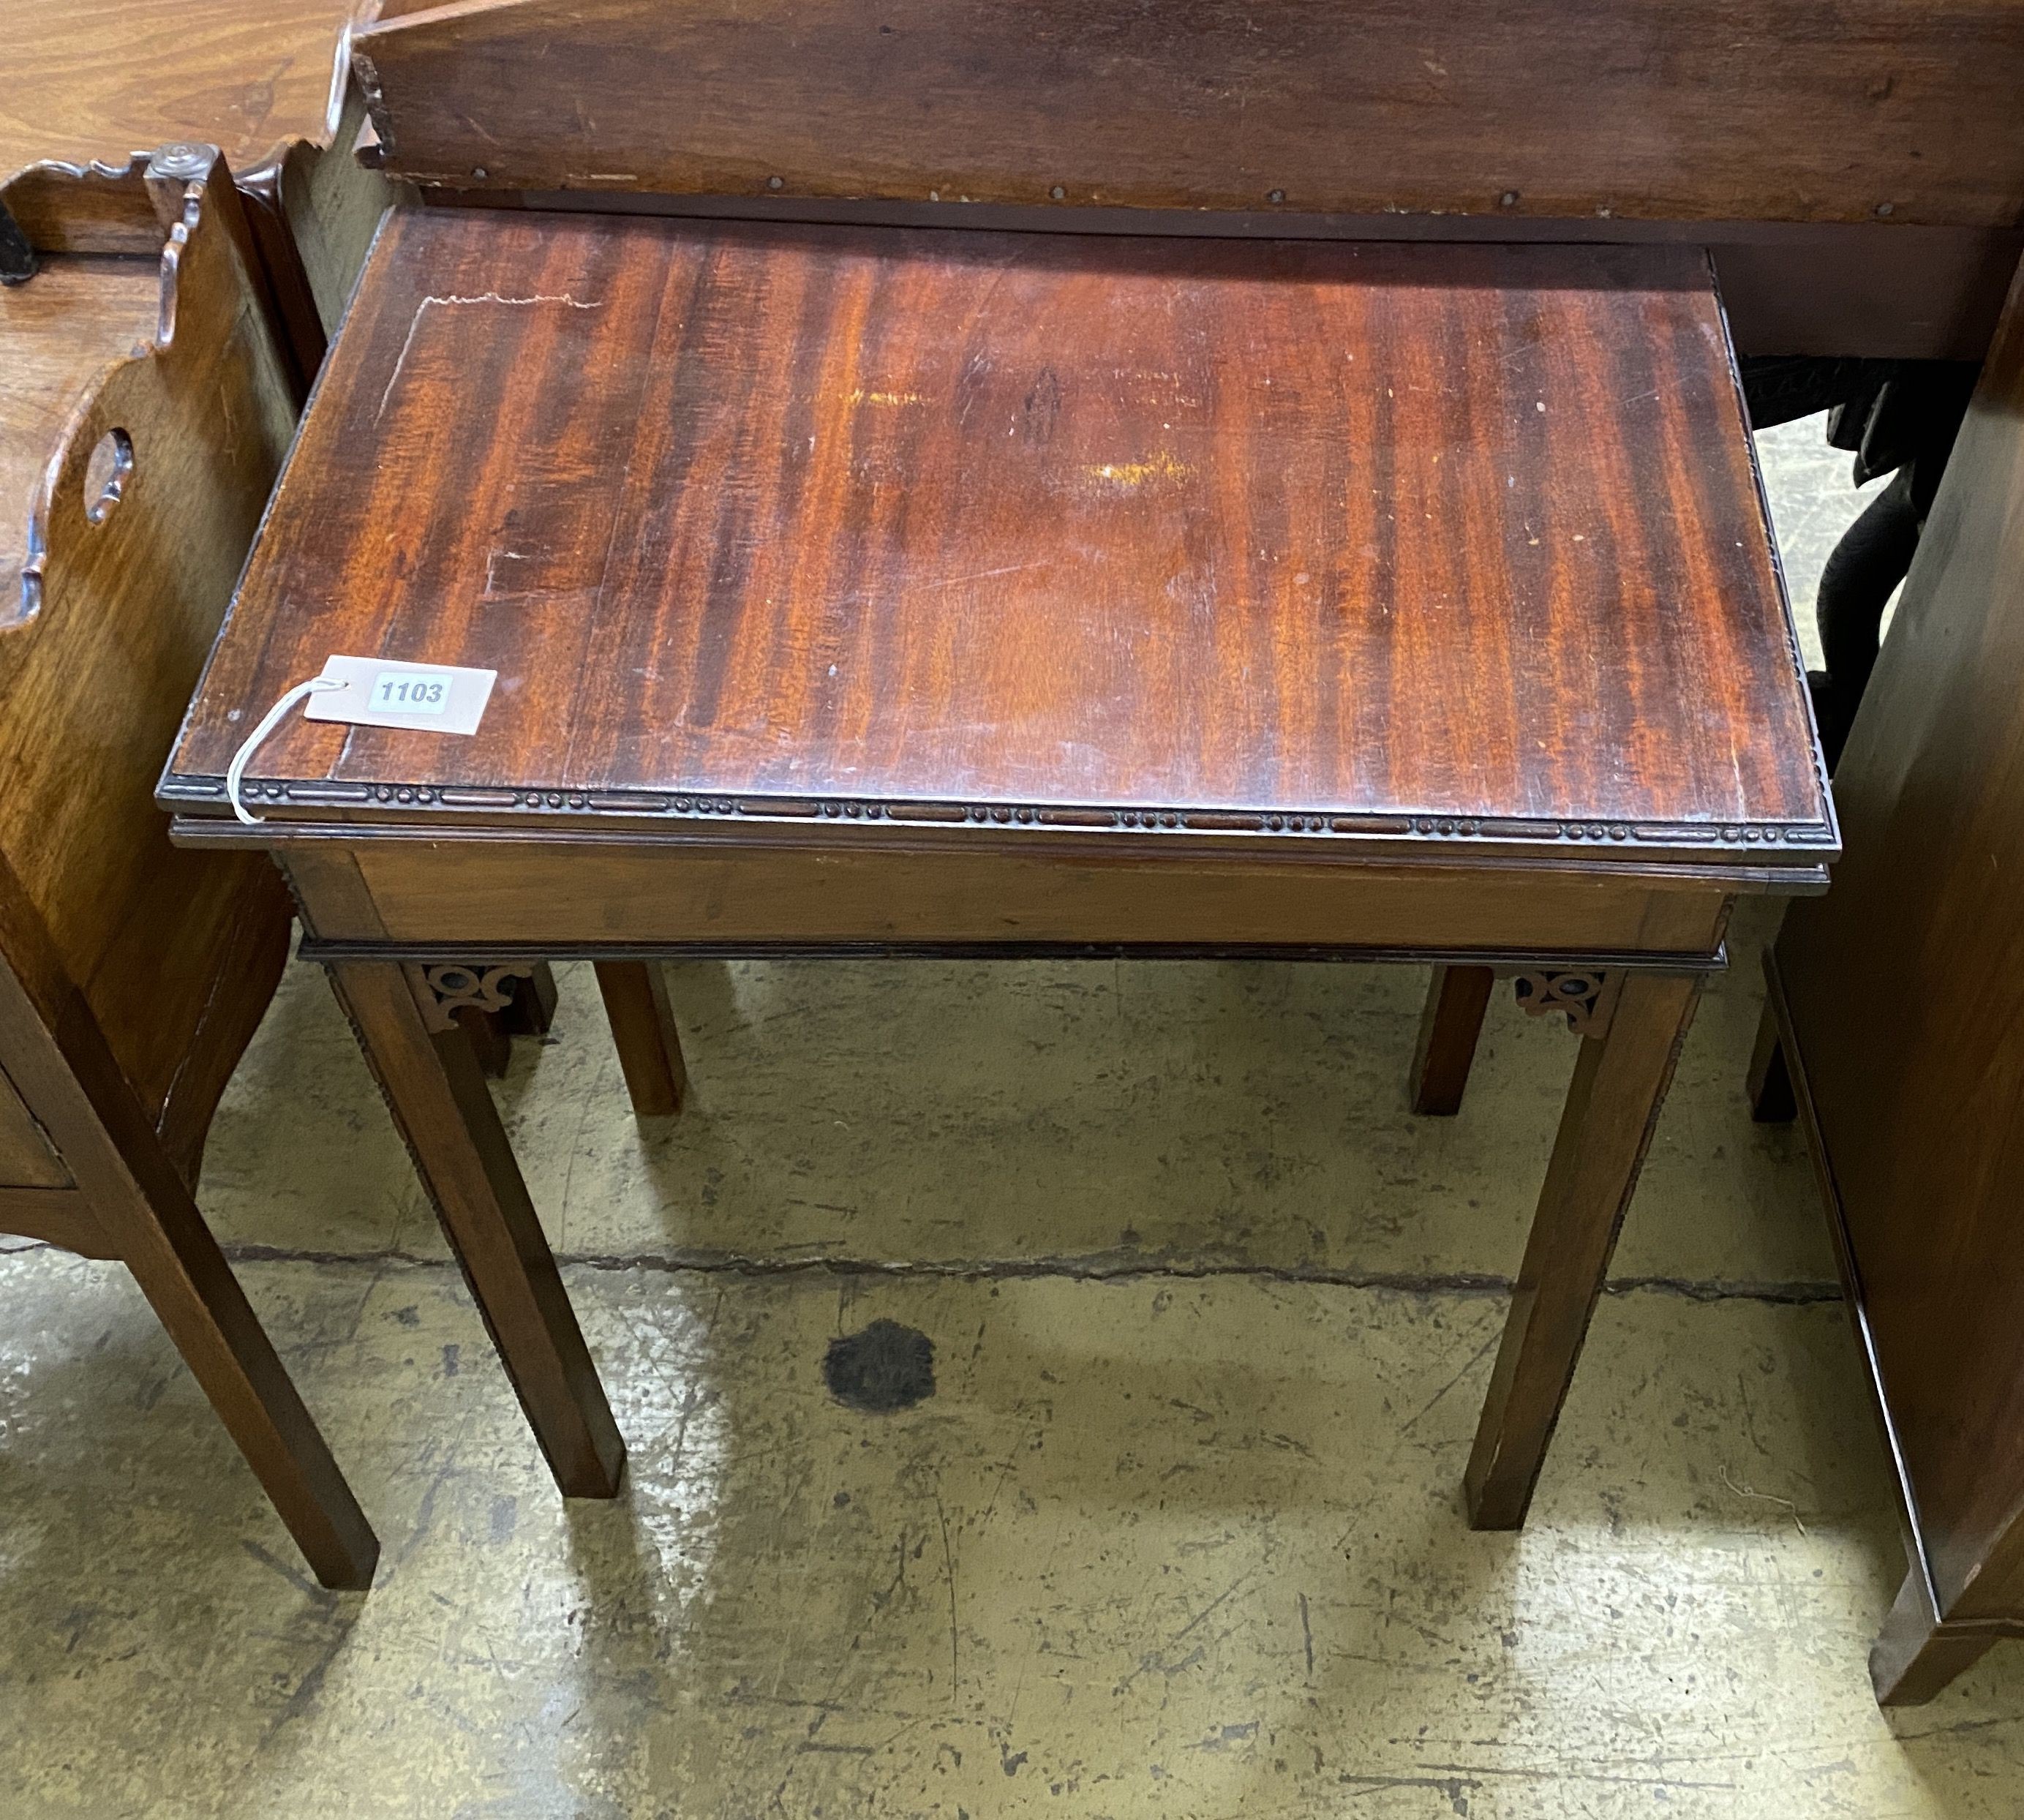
[(874, 590)]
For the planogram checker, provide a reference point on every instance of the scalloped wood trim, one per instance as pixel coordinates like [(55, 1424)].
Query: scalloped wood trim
[(98, 208), (44, 185)]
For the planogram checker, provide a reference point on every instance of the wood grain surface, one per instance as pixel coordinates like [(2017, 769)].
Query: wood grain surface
[(1708, 109), (79, 315), (136, 1206), (85, 80), (1876, 290), (106, 623), (765, 896), (1906, 989), (27, 1158), (1297, 540), (132, 973)]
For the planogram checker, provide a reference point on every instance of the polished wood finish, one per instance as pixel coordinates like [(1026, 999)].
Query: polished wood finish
[(102, 79), (1900, 998), (1456, 998), (871, 591), (727, 505), (93, 84), (102, 207), (643, 1025), (438, 1099), (1705, 109), (1877, 290), (1620, 1080), (132, 973)]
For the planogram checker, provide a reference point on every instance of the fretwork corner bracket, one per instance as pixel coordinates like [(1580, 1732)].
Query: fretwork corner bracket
[(442, 991), (1586, 997)]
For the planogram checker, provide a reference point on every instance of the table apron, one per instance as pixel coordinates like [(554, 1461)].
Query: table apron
[(416, 901)]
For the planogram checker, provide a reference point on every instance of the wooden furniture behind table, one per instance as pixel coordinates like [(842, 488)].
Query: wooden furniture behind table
[(267, 85), (145, 404), (863, 590), (1896, 1018), (1852, 172), (265, 82)]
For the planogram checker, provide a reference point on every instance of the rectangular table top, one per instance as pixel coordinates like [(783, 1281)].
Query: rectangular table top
[(1302, 540)]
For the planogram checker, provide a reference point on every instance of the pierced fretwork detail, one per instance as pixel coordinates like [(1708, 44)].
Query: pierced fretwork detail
[(458, 985), (1586, 997)]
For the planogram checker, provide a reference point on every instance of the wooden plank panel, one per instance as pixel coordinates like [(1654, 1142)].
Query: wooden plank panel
[(1906, 989), (1756, 109), (56, 1051)]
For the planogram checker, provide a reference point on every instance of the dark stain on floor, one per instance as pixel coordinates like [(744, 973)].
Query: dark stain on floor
[(884, 1367)]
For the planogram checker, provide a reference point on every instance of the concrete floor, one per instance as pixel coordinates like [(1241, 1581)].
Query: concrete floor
[(1177, 1535)]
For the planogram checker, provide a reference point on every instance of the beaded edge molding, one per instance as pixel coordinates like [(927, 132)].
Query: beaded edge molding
[(668, 806)]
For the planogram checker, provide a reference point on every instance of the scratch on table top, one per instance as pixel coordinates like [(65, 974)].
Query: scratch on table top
[(453, 302), (491, 567)]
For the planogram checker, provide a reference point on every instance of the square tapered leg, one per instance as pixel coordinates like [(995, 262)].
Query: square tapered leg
[(431, 1082), (1612, 1105)]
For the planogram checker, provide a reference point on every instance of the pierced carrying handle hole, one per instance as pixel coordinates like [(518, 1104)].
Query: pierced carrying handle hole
[(106, 474)]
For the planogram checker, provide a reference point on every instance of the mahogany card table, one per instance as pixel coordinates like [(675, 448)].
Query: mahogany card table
[(860, 590)]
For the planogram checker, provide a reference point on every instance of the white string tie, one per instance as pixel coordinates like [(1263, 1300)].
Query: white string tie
[(235, 772)]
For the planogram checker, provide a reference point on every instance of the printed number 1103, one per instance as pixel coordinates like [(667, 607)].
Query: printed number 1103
[(405, 692)]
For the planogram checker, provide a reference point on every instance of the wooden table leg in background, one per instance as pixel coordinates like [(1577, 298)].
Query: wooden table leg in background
[(430, 1080), (1456, 998), (1619, 1083), (176, 1260), (1769, 1082), (643, 1027)]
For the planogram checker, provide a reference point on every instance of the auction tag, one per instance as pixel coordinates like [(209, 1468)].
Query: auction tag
[(376, 691)]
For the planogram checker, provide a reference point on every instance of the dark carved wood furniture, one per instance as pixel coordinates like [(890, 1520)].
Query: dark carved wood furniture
[(863, 590), (145, 404), (1896, 1023)]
